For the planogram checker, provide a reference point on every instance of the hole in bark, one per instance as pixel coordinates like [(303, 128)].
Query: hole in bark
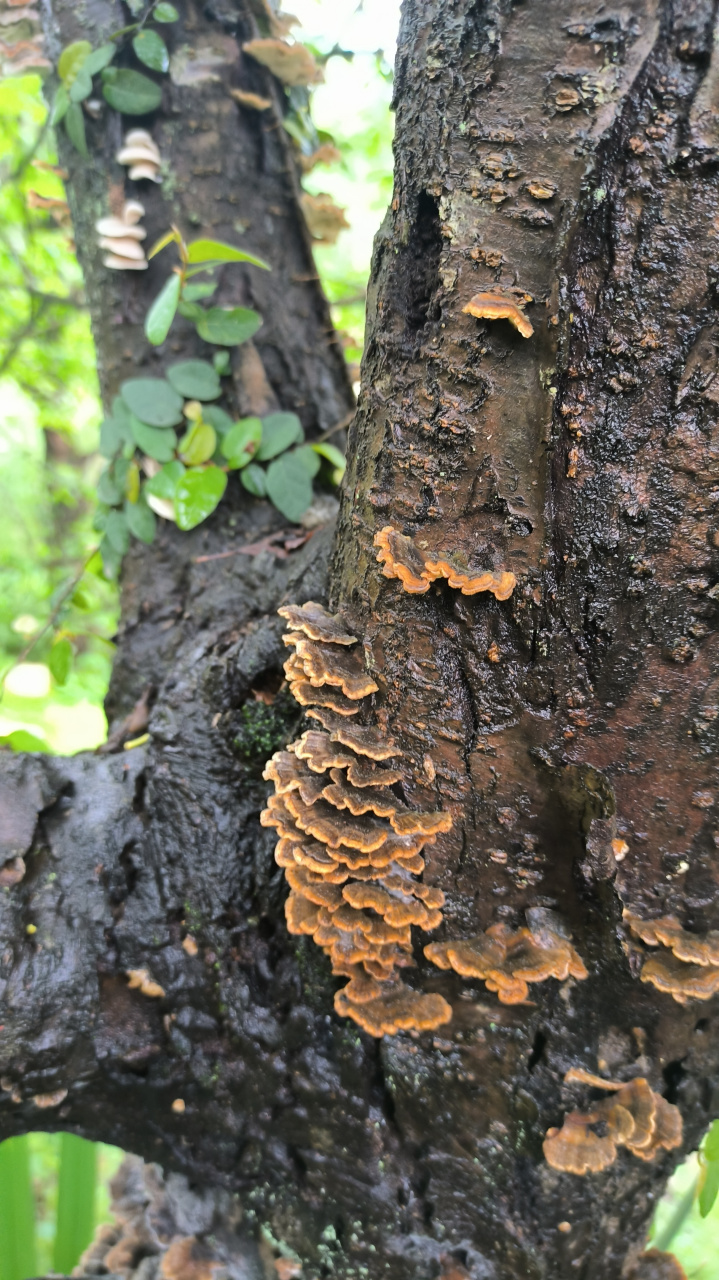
[(702, 1025), (673, 1075), (540, 1044), (420, 267)]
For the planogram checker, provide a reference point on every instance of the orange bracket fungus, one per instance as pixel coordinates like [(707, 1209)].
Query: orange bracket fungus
[(634, 1117), (402, 559), (690, 968), (497, 306), (508, 961), (349, 846)]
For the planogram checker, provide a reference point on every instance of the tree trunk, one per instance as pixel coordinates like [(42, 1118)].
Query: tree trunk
[(569, 729)]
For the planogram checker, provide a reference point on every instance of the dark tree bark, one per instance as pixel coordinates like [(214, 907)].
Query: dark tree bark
[(571, 155)]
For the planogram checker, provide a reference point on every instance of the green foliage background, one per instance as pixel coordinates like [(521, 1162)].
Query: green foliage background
[(53, 1188)]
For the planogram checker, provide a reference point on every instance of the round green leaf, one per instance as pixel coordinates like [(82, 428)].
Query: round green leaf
[(71, 59), (165, 482), (156, 442), (153, 401), (197, 495), (140, 520), (151, 49), (241, 442), (60, 660), (217, 418), (165, 13), (194, 379), (75, 127), (130, 92), (162, 312), (307, 456), (107, 490), (279, 431), (203, 289), (221, 363), (198, 444), (111, 559), (228, 328), (289, 486), (60, 104), (81, 87), (112, 436), (116, 532), (710, 1189), (254, 480), (99, 59)]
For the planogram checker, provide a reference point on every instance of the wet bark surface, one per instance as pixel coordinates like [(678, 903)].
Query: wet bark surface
[(578, 713)]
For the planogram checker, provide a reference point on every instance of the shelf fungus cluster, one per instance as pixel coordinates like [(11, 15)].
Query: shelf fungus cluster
[(141, 154), (349, 846), (401, 558), (501, 306), (689, 967), (122, 238), (509, 960), (634, 1117)]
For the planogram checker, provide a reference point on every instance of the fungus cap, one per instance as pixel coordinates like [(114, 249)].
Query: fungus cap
[(293, 64), (254, 101), (115, 227), (494, 306), (399, 1008), (116, 263), (317, 623), (682, 981), (576, 1149)]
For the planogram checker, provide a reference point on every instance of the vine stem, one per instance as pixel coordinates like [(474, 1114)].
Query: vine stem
[(53, 616)]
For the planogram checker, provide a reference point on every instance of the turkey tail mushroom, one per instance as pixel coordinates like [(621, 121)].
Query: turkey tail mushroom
[(416, 570)]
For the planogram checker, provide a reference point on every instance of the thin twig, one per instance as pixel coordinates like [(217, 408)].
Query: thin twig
[(337, 427), (53, 616)]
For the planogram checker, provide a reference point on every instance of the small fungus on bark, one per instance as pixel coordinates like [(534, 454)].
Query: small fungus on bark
[(293, 64), (691, 969), (509, 961), (140, 152), (254, 101), (349, 846), (635, 1117), (497, 306), (324, 218), (121, 237), (402, 559)]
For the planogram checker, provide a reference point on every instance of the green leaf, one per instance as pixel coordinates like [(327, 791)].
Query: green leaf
[(279, 431), (71, 59), (194, 379), (75, 127), (191, 310), (107, 490), (60, 104), (217, 418), (241, 442), (710, 1188), (99, 59), (130, 92), (221, 363), (711, 1142), (198, 444), (254, 479), (156, 442), (217, 251), (132, 481), (153, 401), (81, 87), (77, 1185), (17, 1210), (60, 660), (307, 456), (140, 520), (289, 486), (162, 312), (192, 292), (116, 532), (165, 12), (334, 456), (112, 436), (165, 482), (197, 495), (151, 49), (18, 740), (169, 237), (228, 328)]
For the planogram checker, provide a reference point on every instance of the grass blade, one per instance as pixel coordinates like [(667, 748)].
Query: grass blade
[(17, 1212), (75, 1202)]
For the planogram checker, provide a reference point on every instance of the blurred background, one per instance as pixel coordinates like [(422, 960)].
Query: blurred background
[(58, 611)]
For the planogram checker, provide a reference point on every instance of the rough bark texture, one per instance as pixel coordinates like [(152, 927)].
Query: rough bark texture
[(581, 711)]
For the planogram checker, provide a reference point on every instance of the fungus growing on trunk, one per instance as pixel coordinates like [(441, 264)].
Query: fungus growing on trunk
[(416, 570), (635, 1117), (350, 847), (122, 236), (691, 970), (293, 64), (140, 151), (497, 306), (509, 961), (324, 218)]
